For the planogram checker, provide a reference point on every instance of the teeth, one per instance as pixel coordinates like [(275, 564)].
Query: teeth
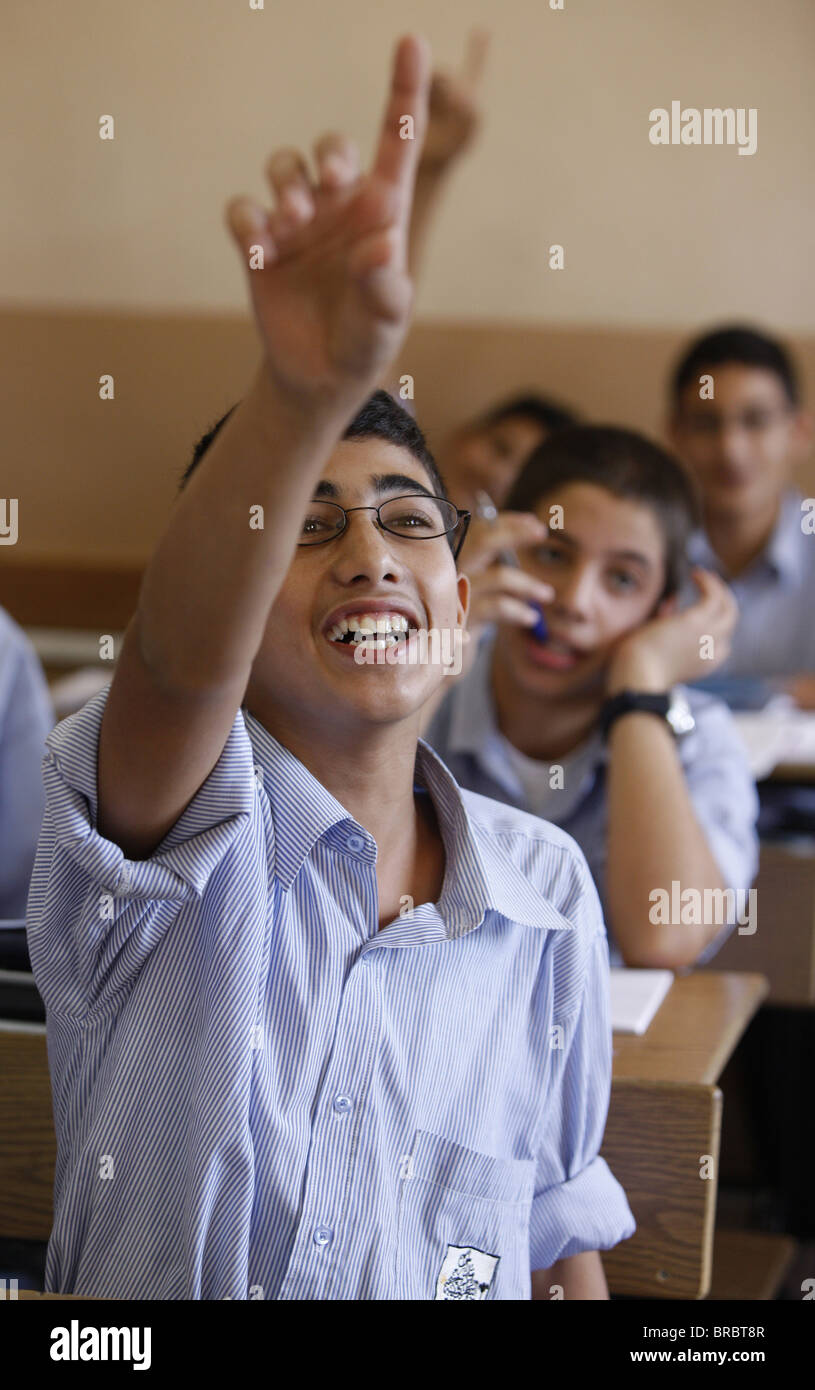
[(363, 626)]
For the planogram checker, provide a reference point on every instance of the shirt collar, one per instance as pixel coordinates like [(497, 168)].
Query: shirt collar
[(783, 553), (302, 809), (479, 876)]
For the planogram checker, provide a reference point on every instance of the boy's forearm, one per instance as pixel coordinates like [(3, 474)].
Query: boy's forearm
[(654, 838), (206, 594), (579, 1276)]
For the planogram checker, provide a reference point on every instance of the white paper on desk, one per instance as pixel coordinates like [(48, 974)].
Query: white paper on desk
[(635, 997), (776, 736)]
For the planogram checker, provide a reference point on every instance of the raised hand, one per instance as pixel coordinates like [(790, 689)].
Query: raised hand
[(487, 540), (500, 592), (454, 106), (333, 298), (676, 646)]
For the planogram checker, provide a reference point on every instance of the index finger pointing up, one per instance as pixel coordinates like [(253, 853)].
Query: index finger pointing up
[(400, 142)]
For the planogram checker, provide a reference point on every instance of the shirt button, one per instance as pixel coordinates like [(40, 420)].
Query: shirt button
[(322, 1235), (356, 843), (342, 1104)]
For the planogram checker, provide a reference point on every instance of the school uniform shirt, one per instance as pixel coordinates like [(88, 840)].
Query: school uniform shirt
[(26, 718), (571, 791), (775, 631), (258, 1094)]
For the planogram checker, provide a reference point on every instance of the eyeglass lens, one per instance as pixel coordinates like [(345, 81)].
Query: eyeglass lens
[(414, 517)]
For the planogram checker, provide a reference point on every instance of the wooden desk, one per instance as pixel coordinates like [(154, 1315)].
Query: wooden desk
[(664, 1124), (694, 1031), (28, 1145), (783, 945)]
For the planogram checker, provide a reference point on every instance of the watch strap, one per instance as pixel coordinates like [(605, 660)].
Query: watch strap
[(626, 701)]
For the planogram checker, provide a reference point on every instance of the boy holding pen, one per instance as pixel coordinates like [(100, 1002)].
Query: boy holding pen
[(321, 1025), (584, 719)]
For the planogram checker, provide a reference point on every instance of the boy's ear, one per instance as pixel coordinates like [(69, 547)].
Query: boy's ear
[(463, 589)]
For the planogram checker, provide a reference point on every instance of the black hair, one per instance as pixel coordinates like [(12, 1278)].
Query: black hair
[(381, 417), (627, 465), (546, 413), (735, 343)]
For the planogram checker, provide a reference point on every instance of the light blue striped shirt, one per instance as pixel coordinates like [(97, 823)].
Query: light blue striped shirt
[(775, 633), (26, 718), (258, 1094)]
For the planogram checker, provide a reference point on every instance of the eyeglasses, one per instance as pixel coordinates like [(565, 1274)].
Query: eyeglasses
[(415, 517), (753, 421)]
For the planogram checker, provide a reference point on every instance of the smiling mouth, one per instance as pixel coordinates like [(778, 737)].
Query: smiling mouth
[(374, 630)]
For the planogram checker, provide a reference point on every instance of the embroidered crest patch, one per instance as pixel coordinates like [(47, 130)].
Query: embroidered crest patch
[(466, 1273)]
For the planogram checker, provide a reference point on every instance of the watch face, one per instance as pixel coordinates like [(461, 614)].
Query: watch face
[(679, 716)]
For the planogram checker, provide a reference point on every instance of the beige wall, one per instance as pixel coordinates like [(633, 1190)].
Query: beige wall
[(202, 90), (95, 479), (114, 256)]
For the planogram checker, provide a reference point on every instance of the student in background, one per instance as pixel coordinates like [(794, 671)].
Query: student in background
[(488, 453), (592, 729), (485, 453), (26, 718), (738, 422)]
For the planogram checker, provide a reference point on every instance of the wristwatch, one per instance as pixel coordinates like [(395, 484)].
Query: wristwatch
[(672, 706)]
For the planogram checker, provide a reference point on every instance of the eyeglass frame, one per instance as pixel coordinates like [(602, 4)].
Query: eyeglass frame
[(461, 516), (715, 424)]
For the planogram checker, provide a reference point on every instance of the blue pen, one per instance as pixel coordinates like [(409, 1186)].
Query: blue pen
[(487, 510), (540, 630)]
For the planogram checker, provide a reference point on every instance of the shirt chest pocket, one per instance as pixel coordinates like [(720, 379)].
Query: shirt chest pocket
[(462, 1229)]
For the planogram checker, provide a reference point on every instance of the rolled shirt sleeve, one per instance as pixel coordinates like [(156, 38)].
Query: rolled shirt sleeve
[(95, 916), (578, 1204)]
